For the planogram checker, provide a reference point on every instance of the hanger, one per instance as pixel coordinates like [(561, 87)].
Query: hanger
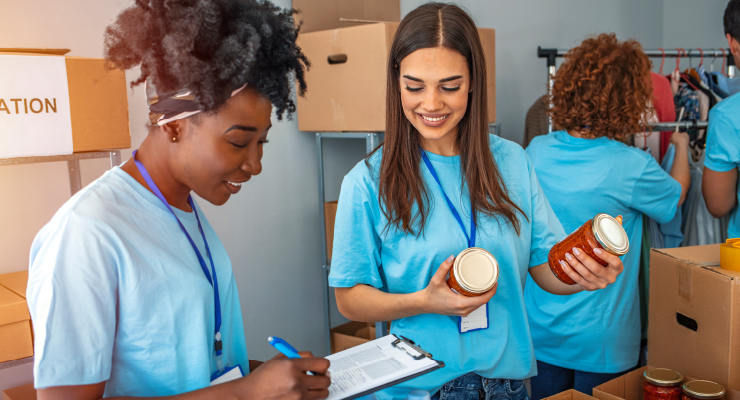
[(662, 60), (724, 60), (701, 62)]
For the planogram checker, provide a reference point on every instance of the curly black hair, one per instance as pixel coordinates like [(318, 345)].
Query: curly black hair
[(211, 47)]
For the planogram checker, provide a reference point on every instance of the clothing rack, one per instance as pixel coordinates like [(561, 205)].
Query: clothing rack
[(552, 54), (682, 126)]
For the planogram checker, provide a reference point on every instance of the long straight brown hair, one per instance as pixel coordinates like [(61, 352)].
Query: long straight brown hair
[(401, 183)]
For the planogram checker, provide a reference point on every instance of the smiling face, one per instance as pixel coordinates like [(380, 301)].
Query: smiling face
[(435, 83), (220, 151)]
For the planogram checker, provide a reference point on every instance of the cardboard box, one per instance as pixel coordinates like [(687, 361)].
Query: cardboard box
[(98, 101), (350, 335), (16, 282), (694, 316), (629, 387), (330, 215), (321, 15), (25, 392), (570, 395), (16, 339), (349, 94)]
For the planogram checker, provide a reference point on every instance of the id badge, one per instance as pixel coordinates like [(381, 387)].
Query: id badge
[(228, 375), (476, 321)]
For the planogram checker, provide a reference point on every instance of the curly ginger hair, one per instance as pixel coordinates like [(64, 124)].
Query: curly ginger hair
[(603, 89)]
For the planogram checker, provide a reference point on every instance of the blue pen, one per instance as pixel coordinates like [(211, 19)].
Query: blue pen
[(285, 348)]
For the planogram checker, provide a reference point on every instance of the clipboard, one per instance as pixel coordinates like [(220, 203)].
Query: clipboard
[(404, 349)]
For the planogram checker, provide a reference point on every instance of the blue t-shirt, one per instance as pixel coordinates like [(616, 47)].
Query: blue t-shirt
[(723, 147), (596, 331), (117, 294), (362, 246)]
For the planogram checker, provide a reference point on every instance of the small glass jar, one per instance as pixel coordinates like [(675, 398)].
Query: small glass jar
[(662, 384), (602, 232), (703, 390), (475, 272)]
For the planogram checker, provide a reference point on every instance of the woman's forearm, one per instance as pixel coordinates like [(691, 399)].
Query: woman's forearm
[(680, 171), (367, 304), (547, 281)]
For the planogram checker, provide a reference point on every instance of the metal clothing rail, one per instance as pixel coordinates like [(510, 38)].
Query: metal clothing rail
[(552, 54), (682, 126)]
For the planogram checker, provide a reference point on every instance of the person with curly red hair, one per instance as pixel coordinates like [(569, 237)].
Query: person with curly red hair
[(601, 94)]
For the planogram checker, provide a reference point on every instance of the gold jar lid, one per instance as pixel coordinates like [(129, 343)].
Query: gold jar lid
[(663, 377), (476, 270), (610, 234), (704, 390)]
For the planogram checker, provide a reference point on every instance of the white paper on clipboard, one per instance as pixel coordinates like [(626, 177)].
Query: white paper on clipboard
[(376, 365)]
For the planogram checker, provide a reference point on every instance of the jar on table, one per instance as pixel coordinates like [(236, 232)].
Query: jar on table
[(662, 384), (703, 390), (474, 272), (602, 232)]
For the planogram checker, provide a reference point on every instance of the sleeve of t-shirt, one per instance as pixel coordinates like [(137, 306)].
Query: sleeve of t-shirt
[(72, 296), (356, 251), (546, 228), (656, 193), (723, 145)]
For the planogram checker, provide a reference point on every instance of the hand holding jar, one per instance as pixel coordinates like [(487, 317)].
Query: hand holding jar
[(439, 299), (589, 256)]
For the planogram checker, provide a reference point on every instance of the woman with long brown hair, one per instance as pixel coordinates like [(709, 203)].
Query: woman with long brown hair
[(438, 185)]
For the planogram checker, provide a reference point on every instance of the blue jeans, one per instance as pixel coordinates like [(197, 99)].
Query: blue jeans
[(551, 380), (474, 387)]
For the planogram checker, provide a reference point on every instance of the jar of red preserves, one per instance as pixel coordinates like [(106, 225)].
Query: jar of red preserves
[(475, 272), (602, 232), (703, 390), (662, 384)]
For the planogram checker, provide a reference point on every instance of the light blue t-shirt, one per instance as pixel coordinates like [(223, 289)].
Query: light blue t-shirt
[(723, 147), (596, 331), (362, 246), (117, 294)]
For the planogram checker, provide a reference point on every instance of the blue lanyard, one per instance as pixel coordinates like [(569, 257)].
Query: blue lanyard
[(214, 283), (471, 238)]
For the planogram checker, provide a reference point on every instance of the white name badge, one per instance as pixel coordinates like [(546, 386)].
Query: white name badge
[(231, 374), (477, 320), (35, 117)]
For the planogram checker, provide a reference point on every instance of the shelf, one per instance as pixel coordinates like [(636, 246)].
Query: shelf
[(70, 157), (15, 363)]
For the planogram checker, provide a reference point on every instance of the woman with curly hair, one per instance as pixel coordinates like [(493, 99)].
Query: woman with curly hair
[(438, 185), (130, 290), (601, 93)]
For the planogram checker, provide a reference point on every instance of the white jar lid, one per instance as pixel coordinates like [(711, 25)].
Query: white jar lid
[(610, 234), (476, 270)]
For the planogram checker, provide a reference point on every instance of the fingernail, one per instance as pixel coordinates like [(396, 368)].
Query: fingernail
[(598, 251), (450, 258), (568, 256), (576, 251), (562, 264)]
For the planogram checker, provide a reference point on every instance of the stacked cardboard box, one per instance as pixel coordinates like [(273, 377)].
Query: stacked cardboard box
[(98, 101), (570, 395), (16, 334), (321, 15), (694, 316), (25, 392), (350, 335)]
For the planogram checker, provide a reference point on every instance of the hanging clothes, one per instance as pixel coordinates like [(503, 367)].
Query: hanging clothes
[(699, 226), (672, 233), (664, 107), (727, 85), (689, 100)]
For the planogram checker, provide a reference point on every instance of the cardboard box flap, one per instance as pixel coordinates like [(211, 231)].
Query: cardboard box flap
[(706, 257), (697, 255), (48, 52), (13, 308), (16, 282), (570, 395), (25, 392)]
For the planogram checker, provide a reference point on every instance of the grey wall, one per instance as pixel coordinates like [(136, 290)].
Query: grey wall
[(272, 228)]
